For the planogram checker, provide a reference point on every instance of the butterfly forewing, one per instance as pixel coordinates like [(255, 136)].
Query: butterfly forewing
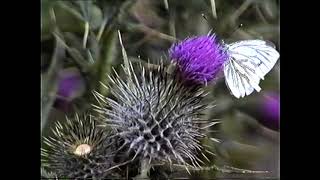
[(249, 61)]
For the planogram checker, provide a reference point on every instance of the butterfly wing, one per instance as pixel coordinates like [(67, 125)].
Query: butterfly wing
[(249, 62)]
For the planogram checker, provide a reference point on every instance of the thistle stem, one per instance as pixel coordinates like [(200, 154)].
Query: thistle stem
[(225, 169), (144, 170)]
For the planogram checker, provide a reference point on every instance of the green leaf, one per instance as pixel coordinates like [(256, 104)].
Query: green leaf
[(46, 26), (49, 83), (109, 53)]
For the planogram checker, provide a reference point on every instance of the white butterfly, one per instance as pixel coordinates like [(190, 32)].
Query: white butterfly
[(249, 61)]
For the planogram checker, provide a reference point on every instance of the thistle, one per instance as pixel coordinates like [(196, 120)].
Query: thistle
[(70, 86), (78, 150), (270, 108), (199, 59), (156, 117)]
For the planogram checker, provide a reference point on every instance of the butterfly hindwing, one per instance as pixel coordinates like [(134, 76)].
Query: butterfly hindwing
[(238, 79), (249, 61)]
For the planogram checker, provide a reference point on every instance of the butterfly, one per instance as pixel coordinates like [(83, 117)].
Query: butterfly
[(249, 61)]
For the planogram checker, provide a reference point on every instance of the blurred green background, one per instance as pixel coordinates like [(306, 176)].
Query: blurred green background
[(79, 47)]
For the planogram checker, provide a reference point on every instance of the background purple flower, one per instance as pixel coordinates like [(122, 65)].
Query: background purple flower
[(199, 59), (265, 108), (70, 86), (270, 108)]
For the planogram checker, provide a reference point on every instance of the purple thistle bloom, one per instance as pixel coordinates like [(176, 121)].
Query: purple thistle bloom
[(70, 86), (199, 59), (270, 107)]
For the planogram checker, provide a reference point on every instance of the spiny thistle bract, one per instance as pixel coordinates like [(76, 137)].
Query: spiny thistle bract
[(157, 118), (78, 150)]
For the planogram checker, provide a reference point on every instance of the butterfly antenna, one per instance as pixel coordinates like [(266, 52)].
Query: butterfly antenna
[(204, 17)]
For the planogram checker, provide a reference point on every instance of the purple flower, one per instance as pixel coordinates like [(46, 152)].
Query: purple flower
[(270, 107), (70, 86), (199, 59)]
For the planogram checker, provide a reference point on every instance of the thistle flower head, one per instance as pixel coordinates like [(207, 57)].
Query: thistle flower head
[(270, 107), (71, 85), (156, 117), (199, 59), (78, 150)]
